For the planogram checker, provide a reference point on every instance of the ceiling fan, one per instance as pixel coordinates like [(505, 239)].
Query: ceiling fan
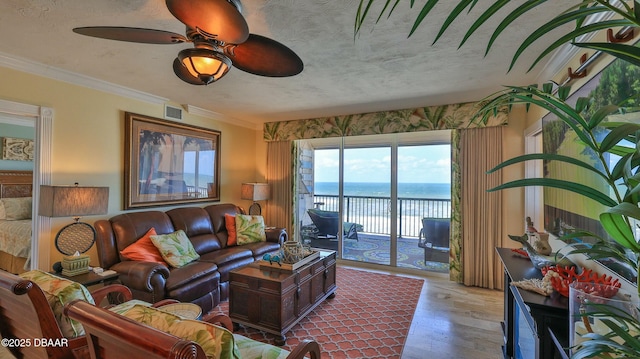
[(221, 40)]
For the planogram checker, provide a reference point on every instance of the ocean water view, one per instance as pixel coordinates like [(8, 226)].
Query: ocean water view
[(373, 189)]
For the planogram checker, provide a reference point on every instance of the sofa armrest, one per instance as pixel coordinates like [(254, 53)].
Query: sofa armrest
[(276, 235), (143, 276)]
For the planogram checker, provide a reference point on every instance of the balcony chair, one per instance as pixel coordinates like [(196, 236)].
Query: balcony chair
[(27, 315), (327, 224), (434, 238), (110, 336)]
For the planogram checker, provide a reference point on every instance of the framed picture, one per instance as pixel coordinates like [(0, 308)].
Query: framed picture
[(17, 149), (169, 163), (564, 211)]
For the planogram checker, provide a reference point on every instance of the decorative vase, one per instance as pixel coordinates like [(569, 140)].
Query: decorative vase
[(592, 305), (292, 252)]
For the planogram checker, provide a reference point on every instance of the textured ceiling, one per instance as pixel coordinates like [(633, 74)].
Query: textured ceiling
[(380, 70)]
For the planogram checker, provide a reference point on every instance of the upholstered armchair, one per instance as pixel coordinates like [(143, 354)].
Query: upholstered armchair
[(31, 307)]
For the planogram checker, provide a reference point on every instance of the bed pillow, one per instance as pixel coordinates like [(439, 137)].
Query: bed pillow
[(175, 248), (230, 224), (3, 213), (60, 291), (17, 208), (250, 229), (144, 250)]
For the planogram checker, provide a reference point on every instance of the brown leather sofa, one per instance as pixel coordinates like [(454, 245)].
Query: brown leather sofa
[(204, 282)]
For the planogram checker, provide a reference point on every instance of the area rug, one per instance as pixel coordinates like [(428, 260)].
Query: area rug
[(369, 317)]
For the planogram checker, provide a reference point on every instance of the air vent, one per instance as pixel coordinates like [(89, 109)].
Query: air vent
[(172, 113)]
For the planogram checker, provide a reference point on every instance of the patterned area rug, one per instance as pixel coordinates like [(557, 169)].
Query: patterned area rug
[(369, 317)]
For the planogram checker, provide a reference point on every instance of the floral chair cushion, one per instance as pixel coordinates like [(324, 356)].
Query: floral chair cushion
[(250, 229), (215, 341), (175, 248), (60, 291)]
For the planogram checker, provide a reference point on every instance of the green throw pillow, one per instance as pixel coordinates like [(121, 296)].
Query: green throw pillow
[(175, 248), (216, 342), (60, 291), (249, 229)]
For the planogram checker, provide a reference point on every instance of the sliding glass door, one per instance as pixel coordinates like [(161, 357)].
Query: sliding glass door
[(377, 189), (367, 201)]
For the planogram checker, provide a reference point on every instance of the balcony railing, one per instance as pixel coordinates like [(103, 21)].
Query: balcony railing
[(374, 213)]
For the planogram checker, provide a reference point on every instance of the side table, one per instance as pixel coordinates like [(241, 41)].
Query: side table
[(90, 278)]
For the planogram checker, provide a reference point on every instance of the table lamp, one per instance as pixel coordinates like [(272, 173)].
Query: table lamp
[(78, 237), (255, 192)]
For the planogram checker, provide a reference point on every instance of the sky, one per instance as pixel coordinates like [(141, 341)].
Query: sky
[(416, 164)]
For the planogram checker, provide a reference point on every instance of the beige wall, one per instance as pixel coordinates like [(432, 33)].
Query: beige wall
[(88, 140)]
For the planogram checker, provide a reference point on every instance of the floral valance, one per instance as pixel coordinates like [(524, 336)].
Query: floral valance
[(409, 120)]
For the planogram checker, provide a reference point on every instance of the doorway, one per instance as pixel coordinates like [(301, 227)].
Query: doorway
[(42, 120)]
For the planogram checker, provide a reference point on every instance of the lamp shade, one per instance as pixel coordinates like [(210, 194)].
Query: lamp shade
[(73, 201), (255, 191)]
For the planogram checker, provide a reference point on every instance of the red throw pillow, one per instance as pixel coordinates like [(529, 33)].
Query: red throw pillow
[(144, 250), (230, 224)]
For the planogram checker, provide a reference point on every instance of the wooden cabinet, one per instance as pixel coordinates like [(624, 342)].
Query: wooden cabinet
[(275, 300), (534, 326)]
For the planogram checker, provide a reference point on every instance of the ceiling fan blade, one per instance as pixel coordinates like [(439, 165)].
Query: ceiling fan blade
[(132, 34), (184, 74), (218, 19), (262, 56)]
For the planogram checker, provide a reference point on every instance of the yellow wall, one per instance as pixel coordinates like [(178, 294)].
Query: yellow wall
[(88, 140)]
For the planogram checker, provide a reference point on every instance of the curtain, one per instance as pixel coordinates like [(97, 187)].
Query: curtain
[(480, 211), (282, 179)]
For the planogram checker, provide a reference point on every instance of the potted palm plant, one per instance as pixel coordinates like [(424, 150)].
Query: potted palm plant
[(621, 139)]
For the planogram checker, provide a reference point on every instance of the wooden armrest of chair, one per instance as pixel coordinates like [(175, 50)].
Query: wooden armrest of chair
[(123, 293), (219, 319), (306, 346), (79, 347)]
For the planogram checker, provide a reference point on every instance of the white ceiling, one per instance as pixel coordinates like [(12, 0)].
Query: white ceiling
[(380, 70)]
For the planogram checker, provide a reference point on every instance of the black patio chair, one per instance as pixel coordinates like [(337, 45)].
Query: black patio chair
[(434, 237), (327, 224)]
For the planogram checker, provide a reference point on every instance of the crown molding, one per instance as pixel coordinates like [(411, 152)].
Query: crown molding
[(39, 69), (194, 110)]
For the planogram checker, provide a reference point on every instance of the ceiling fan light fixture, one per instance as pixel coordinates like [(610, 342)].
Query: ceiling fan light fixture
[(207, 65)]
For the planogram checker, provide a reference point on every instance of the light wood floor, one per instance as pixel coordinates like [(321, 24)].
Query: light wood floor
[(454, 321)]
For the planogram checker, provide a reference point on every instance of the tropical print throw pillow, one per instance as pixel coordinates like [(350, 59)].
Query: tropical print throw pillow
[(60, 291), (175, 248), (249, 229)]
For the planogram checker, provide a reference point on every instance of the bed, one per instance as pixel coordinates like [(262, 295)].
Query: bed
[(15, 229)]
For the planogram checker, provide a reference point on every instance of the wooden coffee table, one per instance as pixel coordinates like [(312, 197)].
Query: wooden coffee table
[(274, 300)]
